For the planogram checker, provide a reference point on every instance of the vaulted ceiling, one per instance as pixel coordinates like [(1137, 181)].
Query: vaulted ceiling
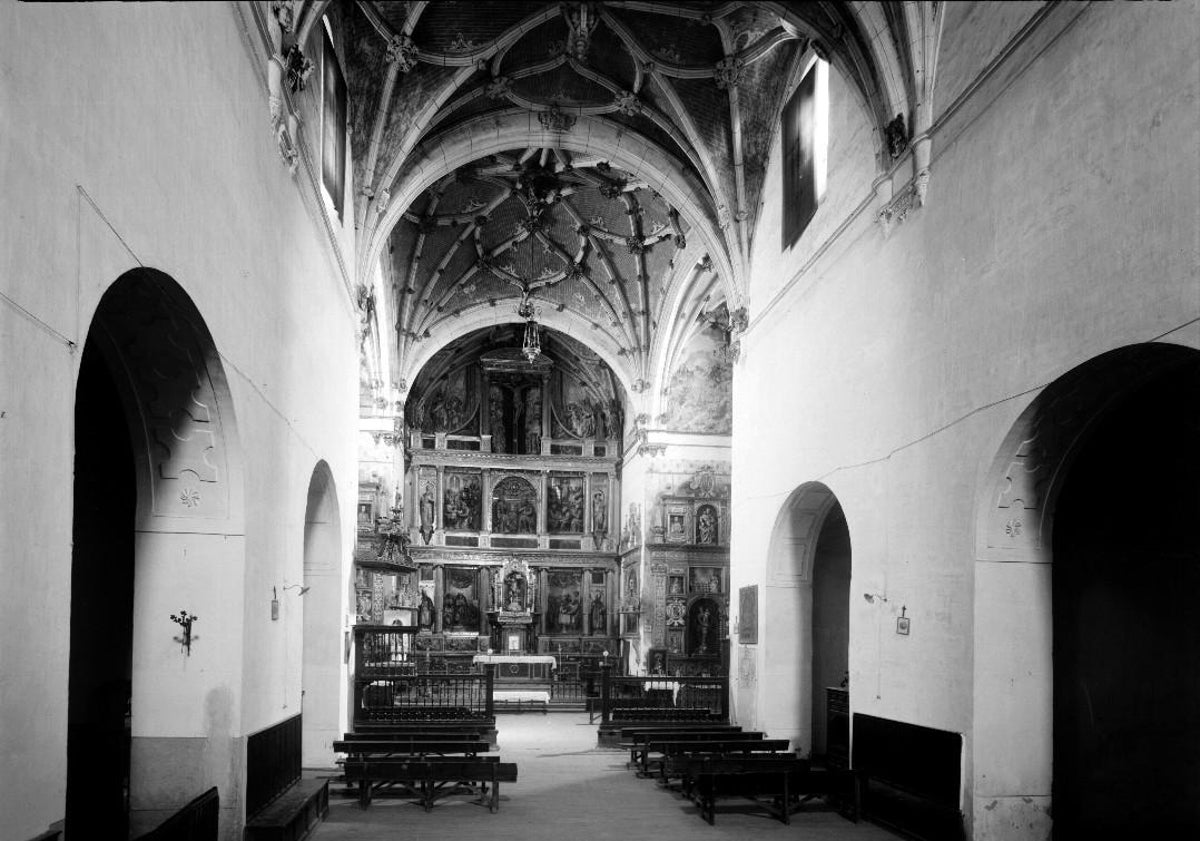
[(606, 158)]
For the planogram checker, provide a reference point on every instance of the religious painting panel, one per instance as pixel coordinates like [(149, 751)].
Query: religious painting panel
[(449, 406), (564, 504), (707, 525), (363, 605), (595, 646), (426, 502), (579, 412), (656, 661), (704, 628), (748, 615), (675, 641), (460, 600), (462, 500), (677, 524), (427, 607), (597, 614), (707, 580), (564, 608), (675, 585), (599, 510), (514, 507)]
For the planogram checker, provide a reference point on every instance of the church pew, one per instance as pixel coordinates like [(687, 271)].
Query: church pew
[(775, 784), (437, 729), (411, 747), (732, 745), (430, 781), (416, 735), (640, 738)]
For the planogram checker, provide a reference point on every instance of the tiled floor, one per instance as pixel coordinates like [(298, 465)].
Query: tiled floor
[(570, 790)]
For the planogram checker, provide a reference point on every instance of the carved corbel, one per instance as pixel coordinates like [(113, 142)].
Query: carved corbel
[(922, 147)]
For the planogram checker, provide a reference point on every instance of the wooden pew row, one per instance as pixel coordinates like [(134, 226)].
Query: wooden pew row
[(430, 781), (436, 729), (641, 738), (609, 735), (729, 746), (411, 747)]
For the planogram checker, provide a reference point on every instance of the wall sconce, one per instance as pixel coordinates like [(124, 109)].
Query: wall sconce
[(274, 604), (184, 620), (302, 590), (871, 597)]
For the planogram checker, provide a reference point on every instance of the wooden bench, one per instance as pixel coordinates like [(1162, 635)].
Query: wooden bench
[(651, 715), (291, 815), (411, 747), (755, 744), (434, 729), (843, 784), (641, 738), (754, 782), (430, 781)]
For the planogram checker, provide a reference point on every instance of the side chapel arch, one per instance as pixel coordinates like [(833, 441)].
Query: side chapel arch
[(787, 656), (149, 352), (1014, 681)]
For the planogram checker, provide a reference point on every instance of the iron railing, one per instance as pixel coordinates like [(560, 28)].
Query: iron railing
[(668, 697)]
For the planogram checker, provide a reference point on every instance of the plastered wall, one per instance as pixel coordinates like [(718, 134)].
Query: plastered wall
[(1061, 222), (138, 135)]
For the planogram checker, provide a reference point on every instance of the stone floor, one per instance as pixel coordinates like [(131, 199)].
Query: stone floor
[(570, 790)]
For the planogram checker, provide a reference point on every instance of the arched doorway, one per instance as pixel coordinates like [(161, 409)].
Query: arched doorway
[(830, 633), (1126, 575), (324, 702), (151, 719), (807, 603), (101, 665), (1086, 642)]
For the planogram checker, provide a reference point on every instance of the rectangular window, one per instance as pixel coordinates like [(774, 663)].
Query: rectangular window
[(804, 119), (333, 125)]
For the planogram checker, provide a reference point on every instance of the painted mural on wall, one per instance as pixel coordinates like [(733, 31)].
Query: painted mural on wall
[(564, 504), (564, 603), (514, 507), (460, 602), (462, 502), (699, 394), (580, 413), (448, 407)]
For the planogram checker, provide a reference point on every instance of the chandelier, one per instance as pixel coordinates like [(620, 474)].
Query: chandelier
[(531, 345)]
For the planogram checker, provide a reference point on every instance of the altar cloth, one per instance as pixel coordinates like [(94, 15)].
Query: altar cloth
[(516, 658), (521, 695)]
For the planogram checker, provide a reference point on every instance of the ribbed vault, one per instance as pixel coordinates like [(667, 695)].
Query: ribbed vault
[(687, 96)]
